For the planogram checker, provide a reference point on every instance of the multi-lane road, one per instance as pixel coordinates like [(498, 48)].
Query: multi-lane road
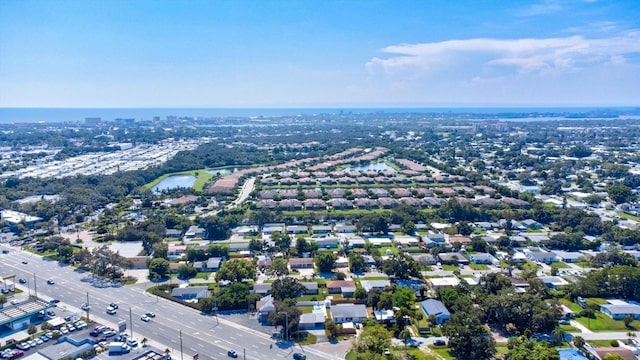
[(174, 324)]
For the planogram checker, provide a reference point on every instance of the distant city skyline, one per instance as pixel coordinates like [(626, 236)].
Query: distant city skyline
[(468, 53)]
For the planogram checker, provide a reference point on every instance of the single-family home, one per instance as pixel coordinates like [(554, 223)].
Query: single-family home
[(452, 258), (173, 233), (265, 306), (342, 313), (176, 251), (297, 229), (311, 288), (553, 282), (344, 287), (195, 232), (190, 292), (437, 309), (617, 310), (326, 242), (313, 320), (484, 258), (368, 285), (300, 263), (531, 224)]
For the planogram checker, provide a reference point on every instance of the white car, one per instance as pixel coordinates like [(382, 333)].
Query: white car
[(132, 342), (145, 318)]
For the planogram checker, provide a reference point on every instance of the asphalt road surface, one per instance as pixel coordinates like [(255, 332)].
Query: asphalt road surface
[(207, 336)]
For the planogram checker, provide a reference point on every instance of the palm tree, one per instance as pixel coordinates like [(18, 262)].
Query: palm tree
[(578, 341), (631, 335)]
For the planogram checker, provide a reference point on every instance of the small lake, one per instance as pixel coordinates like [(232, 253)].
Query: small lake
[(374, 167), (173, 182), (221, 171)]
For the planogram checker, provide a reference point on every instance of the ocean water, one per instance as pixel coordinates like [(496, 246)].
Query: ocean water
[(23, 115)]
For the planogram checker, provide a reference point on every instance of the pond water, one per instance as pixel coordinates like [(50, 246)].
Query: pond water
[(221, 171), (374, 167), (174, 181)]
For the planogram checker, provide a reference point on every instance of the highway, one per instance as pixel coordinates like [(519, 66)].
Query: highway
[(207, 336)]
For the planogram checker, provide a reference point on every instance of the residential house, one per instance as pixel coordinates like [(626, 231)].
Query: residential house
[(568, 256), (344, 287), (321, 229), (262, 289), (195, 232), (355, 242), (546, 257), (173, 233), (311, 321), (452, 258), (384, 316), (270, 228), (368, 285), (618, 309), (345, 229), (311, 288), (326, 243), (553, 282), (265, 306), (300, 263), (484, 258), (190, 292), (406, 241), (342, 313), (176, 251), (442, 282), (531, 224), (437, 309), (297, 229), (425, 259)]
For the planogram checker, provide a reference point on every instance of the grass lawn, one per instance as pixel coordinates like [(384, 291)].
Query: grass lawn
[(628, 216), (420, 355), (501, 349), (450, 268), (308, 339), (443, 351), (604, 343), (478, 266), (573, 306), (315, 297), (383, 250), (202, 275), (569, 328), (583, 264), (305, 309), (560, 265), (603, 322)]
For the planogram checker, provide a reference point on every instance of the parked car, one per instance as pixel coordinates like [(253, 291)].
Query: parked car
[(439, 342), (109, 333), (232, 353), (299, 356)]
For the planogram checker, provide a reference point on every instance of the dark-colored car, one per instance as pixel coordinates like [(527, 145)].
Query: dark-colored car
[(439, 342), (232, 353), (299, 356), (22, 281), (114, 305), (94, 333)]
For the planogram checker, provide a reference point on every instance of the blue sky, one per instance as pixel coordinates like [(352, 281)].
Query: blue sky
[(325, 53)]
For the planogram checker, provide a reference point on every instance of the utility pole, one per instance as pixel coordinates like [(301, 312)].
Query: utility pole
[(131, 322), (181, 354), (35, 285), (88, 306)]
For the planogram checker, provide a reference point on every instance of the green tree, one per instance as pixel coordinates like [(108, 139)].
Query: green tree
[(330, 328), (620, 193), (373, 338), (160, 267), (65, 252), (523, 348), (325, 261), (403, 297), (236, 270), (279, 267), (287, 288), (468, 337), (187, 271), (612, 357), (282, 242), (32, 329), (356, 262)]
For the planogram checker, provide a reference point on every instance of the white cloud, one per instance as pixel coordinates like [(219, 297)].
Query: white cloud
[(542, 8), (484, 57)]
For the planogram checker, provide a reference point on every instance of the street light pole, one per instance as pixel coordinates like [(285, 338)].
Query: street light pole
[(35, 285), (88, 306), (131, 322), (286, 329), (181, 354)]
